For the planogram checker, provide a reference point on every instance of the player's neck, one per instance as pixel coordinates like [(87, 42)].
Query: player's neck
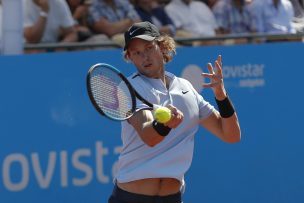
[(167, 81)]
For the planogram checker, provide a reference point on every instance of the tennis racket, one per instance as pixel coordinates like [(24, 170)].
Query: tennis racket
[(112, 94)]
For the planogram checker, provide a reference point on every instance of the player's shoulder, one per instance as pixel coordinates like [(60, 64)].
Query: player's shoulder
[(134, 77), (182, 81), (136, 80), (179, 81)]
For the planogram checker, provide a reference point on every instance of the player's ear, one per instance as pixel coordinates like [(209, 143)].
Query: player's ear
[(162, 48), (127, 56)]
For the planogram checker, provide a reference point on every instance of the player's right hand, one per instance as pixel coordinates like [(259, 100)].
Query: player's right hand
[(176, 117)]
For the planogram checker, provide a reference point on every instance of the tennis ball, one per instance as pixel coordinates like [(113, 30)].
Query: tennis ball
[(162, 114)]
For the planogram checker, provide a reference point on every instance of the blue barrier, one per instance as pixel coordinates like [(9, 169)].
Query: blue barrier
[(54, 146)]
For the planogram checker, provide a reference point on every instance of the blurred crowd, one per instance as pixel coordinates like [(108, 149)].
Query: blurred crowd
[(51, 21)]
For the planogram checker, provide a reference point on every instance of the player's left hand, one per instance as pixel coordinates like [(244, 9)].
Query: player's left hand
[(216, 78)]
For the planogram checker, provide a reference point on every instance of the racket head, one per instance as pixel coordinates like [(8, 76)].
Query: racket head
[(110, 92)]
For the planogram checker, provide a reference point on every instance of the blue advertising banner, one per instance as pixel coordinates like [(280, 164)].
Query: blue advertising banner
[(54, 146)]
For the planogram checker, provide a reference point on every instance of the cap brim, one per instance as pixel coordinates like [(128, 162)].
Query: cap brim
[(144, 37)]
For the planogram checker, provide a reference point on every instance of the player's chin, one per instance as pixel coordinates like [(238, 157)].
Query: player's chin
[(151, 73)]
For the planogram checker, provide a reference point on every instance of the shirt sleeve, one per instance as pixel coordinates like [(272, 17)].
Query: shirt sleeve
[(205, 108), (291, 14), (29, 14), (66, 18)]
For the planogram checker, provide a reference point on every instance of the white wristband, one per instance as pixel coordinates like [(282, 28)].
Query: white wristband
[(43, 14)]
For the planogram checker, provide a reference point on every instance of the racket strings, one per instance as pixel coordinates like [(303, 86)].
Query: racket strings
[(111, 93)]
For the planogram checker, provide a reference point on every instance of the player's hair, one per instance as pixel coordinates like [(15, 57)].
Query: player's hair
[(167, 45)]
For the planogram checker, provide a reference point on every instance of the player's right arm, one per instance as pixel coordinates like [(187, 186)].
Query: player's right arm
[(142, 122)]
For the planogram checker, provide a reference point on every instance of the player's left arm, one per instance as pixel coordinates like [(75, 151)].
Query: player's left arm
[(223, 123), (227, 129)]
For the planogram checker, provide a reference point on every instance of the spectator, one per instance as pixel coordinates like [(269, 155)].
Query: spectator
[(163, 2), (298, 8), (112, 17), (210, 3), (273, 16), (298, 21), (80, 10), (149, 10), (194, 17), (233, 17), (48, 21)]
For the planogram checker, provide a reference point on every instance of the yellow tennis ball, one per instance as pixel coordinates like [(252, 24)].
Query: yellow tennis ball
[(162, 114)]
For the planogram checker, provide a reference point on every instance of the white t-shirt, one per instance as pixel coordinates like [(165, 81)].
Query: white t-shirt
[(59, 16), (172, 157), (195, 18)]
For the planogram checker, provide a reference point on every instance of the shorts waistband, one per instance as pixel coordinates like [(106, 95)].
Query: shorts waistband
[(139, 198)]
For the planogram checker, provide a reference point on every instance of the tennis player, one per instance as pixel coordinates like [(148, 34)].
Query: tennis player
[(156, 156)]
